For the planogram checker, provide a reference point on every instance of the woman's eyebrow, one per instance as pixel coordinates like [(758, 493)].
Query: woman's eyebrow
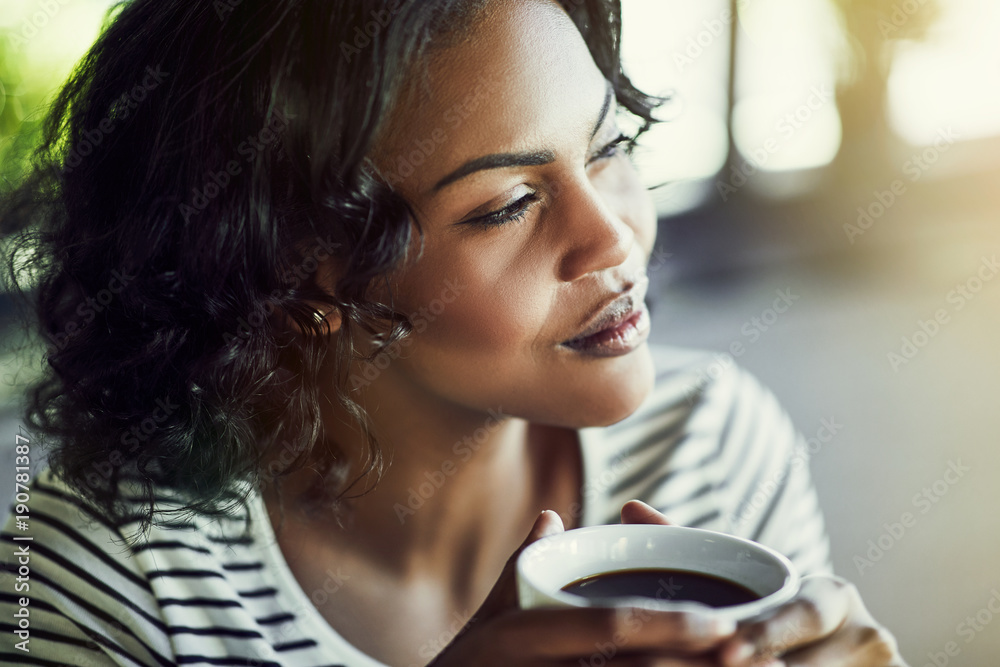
[(529, 159)]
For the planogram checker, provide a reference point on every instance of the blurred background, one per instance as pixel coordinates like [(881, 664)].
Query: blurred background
[(845, 153)]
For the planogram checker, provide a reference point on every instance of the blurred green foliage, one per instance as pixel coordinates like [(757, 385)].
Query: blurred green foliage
[(39, 46), (20, 125)]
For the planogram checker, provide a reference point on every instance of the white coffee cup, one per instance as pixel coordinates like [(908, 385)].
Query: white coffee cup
[(547, 565)]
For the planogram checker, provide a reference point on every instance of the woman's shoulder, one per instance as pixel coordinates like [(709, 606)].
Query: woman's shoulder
[(79, 580), (55, 504), (187, 586)]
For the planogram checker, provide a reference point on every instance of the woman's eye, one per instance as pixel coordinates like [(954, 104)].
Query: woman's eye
[(516, 210), (612, 148), (512, 212)]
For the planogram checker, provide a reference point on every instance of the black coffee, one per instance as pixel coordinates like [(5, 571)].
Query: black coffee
[(663, 584)]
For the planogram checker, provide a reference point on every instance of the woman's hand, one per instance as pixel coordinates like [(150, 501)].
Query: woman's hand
[(825, 625), (500, 634)]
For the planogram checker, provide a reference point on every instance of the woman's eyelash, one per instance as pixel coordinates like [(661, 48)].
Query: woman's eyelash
[(611, 148), (513, 212), (516, 210)]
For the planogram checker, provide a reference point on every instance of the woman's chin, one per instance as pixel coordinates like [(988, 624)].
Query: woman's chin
[(616, 389)]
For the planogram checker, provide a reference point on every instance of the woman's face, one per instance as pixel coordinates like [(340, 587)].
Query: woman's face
[(536, 228)]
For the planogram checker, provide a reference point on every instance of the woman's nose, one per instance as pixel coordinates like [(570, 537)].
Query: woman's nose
[(594, 237)]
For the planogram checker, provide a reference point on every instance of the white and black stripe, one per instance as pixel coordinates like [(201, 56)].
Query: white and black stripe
[(200, 592)]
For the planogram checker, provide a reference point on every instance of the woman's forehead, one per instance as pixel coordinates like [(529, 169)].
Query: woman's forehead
[(522, 75)]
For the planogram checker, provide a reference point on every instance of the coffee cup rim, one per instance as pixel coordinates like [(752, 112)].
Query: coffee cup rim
[(741, 612)]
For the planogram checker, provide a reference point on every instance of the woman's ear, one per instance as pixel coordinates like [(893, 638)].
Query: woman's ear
[(317, 267), (324, 312)]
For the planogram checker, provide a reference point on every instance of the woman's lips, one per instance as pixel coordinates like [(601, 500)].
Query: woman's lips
[(622, 327)]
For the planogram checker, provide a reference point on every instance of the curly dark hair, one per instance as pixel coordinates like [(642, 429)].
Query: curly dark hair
[(198, 165)]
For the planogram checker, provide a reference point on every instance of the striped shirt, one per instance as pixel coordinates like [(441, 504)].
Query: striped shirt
[(710, 448)]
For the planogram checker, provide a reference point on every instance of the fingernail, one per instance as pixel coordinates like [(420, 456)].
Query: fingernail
[(554, 527)]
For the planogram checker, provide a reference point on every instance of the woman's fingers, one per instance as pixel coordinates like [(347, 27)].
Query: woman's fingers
[(636, 511), (820, 608), (570, 637), (852, 646), (639, 661), (826, 619), (566, 633)]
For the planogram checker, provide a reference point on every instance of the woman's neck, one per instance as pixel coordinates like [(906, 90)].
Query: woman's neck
[(461, 489)]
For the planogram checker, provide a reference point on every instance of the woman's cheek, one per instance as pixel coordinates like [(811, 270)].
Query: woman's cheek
[(473, 307), (499, 317), (482, 295), (478, 348)]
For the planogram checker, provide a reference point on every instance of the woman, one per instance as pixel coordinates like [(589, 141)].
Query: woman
[(379, 268)]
